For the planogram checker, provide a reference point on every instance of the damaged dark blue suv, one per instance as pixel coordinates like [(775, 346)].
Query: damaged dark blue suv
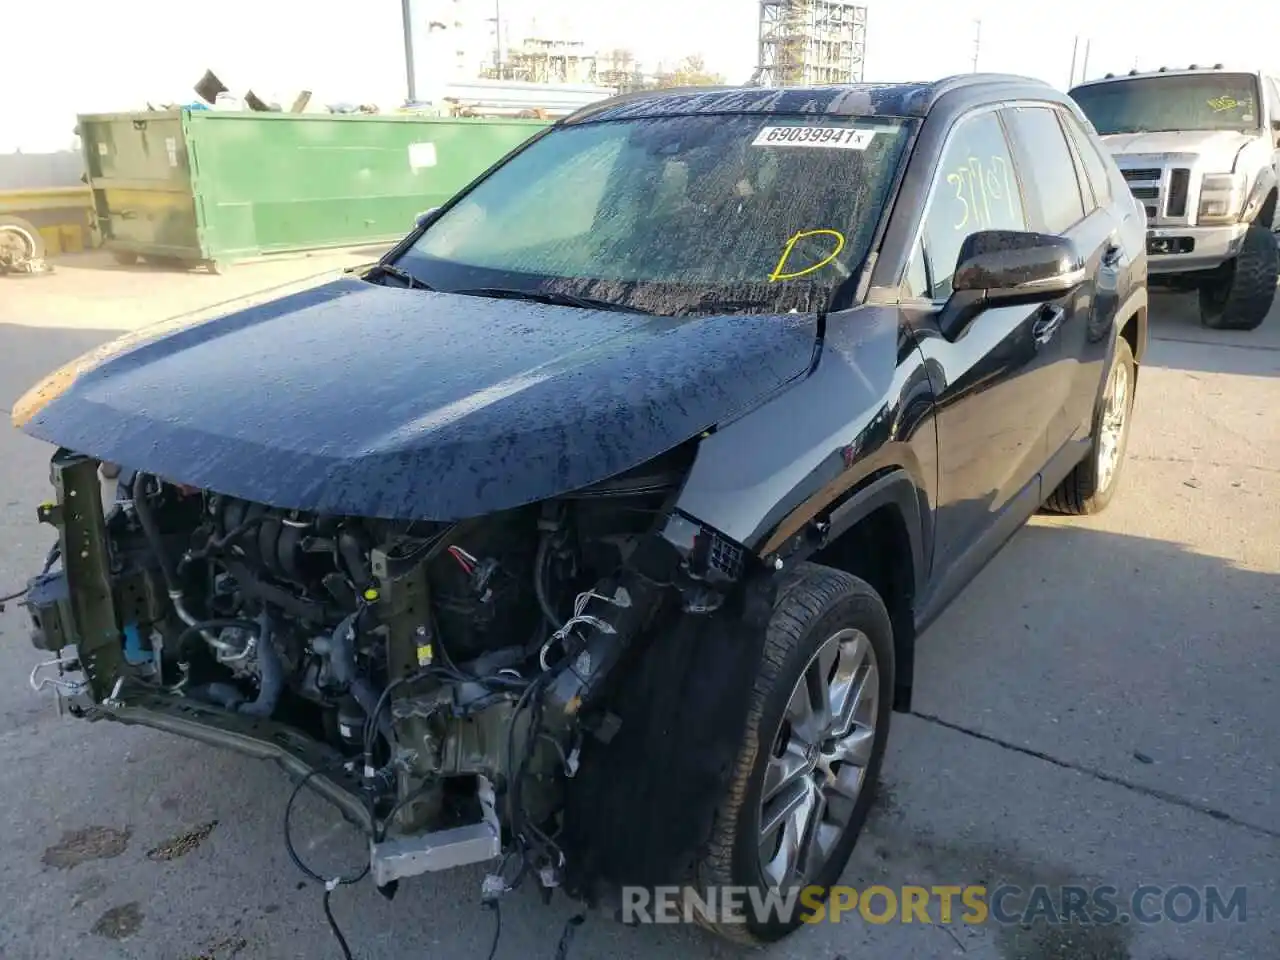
[(593, 527)]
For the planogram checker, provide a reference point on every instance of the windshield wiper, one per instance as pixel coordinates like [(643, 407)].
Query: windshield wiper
[(549, 297), (404, 276)]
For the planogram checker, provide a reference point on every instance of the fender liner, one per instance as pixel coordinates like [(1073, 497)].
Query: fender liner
[(893, 488)]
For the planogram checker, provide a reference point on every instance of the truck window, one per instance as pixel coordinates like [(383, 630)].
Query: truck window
[(1053, 175), (1199, 101), (1095, 167), (976, 189)]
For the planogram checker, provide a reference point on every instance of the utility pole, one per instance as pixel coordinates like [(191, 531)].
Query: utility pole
[(497, 35), (406, 15), (977, 43), (1084, 70), (1075, 48)]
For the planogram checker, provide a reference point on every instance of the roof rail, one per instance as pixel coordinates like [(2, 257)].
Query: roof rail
[(961, 80)]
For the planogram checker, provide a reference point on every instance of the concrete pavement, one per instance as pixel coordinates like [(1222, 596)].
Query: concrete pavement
[(1099, 706)]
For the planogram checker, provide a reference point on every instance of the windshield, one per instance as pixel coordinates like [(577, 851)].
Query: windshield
[(1215, 101), (674, 214)]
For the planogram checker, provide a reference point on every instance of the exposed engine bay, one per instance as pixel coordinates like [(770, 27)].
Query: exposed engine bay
[(438, 680)]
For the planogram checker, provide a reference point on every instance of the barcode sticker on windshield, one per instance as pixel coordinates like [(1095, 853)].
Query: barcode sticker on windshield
[(833, 138)]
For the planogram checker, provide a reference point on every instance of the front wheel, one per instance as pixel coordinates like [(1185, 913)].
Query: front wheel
[(806, 772), (1241, 297)]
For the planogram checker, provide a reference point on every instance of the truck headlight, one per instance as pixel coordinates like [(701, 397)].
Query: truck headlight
[(1221, 197)]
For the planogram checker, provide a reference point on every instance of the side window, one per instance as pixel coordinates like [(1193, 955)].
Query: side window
[(1094, 165), (1053, 176), (976, 189), (1275, 100), (1082, 178)]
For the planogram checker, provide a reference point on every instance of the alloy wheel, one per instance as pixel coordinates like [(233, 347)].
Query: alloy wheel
[(1111, 433), (817, 768)]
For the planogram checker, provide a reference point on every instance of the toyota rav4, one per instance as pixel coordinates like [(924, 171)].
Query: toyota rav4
[(589, 533)]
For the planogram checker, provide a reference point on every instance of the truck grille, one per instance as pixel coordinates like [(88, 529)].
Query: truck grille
[(1164, 197), (1179, 181)]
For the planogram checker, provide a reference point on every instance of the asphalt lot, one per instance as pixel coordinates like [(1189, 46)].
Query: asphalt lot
[(1099, 707)]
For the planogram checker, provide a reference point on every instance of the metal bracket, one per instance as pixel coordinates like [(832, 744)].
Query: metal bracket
[(78, 516), (411, 856)]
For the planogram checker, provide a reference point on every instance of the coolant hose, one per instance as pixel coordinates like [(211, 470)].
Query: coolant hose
[(540, 560), (270, 673), (342, 661), (147, 520)]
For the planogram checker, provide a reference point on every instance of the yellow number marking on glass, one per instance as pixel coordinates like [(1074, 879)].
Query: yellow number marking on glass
[(791, 244)]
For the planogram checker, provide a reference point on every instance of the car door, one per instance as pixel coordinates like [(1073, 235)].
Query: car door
[(1072, 330), (991, 379)]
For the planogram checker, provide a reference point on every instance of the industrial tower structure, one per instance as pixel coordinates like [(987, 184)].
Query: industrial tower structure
[(811, 42)]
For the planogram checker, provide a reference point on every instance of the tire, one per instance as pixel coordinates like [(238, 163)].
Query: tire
[(21, 242), (812, 610), (1242, 298), (126, 258), (1090, 486)]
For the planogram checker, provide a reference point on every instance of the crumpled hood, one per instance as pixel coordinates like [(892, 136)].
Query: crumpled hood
[(359, 399), (1216, 148)]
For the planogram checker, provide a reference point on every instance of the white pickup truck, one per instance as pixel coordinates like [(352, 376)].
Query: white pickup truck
[(1200, 150)]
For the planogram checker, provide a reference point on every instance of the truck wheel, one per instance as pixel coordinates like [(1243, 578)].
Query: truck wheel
[(21, 246), (1090, 486), (806, 773), (1242, 298)]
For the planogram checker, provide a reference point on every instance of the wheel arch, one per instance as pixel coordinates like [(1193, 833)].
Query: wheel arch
[(1260, 208), (1132, 321), (877, 533)]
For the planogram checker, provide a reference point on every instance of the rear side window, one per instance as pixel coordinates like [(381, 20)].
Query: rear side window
[(1094, 165), (976, 189), (1082, 178), (1053, 173)]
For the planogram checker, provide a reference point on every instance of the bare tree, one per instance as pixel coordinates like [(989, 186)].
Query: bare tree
[(692, 72)]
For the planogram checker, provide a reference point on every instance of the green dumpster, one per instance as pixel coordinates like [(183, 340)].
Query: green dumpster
[(213, 187)]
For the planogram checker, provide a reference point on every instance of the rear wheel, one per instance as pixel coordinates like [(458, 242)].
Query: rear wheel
[(1091, 485), (1241, 297), (21, 246), (815, 739)]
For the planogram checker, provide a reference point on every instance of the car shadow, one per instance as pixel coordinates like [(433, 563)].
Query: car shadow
[(1178, 341)]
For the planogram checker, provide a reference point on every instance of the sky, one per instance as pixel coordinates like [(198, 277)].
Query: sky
[(107, 55)]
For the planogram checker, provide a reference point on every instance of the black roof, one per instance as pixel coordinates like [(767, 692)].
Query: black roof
[(846, 100)]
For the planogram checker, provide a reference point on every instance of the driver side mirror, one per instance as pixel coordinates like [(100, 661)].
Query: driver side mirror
[(998, 268), (424, 219)]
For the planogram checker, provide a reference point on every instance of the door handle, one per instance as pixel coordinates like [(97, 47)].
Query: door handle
[(1047, 323)]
